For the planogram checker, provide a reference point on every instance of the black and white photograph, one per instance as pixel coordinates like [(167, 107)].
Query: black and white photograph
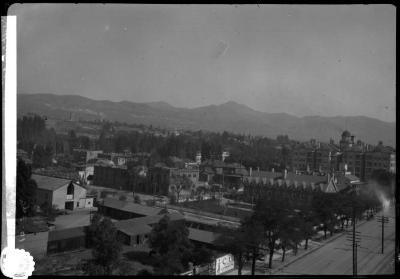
[(200, 139)]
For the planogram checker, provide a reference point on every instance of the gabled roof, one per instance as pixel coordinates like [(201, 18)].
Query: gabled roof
[(49, 183), (129, 206)]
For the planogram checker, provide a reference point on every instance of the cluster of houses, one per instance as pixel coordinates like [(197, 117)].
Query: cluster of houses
[(134, 222)]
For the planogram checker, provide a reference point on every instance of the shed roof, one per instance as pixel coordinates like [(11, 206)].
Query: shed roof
[(49, 182), (142, 225), (129, 206), (67, 233), (203, 236)]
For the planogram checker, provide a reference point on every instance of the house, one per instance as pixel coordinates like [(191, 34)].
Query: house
[(122, 210), (61, 193), (83, 155), (135, 232)]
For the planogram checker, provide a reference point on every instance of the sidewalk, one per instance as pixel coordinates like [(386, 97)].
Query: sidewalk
[(300, 255)]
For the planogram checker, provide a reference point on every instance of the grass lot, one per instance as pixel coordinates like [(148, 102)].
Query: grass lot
[(213, 206)]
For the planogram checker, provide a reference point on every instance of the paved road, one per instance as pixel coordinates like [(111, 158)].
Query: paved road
[(336, 256), (76, 218)]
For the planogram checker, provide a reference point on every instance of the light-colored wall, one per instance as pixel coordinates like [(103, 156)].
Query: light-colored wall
[(89, 202), (79, 193), (60, 195), (35, 244), (82, 203)]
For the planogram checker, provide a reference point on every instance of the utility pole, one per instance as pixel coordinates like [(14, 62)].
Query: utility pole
[(354, 237), (383, 220)]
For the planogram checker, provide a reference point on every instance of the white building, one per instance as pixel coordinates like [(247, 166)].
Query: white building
[(61, 193)]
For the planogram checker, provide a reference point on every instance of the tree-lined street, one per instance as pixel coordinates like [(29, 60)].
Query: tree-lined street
[(336, 257)]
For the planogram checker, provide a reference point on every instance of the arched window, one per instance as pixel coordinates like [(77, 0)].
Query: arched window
[(70, 189)]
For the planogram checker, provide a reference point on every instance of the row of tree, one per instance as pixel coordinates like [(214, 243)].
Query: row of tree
[(281, 223)]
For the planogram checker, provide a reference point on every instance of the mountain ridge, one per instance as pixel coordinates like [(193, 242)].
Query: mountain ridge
[(230, 116)]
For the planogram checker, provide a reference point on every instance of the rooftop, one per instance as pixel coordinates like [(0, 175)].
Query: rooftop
[(129, 206), (203, 236), (66, 233), (139, 226), (49, 182)]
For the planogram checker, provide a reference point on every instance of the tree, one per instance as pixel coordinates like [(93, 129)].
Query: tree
[(169, 239), (234, 242), (26, 191), (49, 211), (324, 206), (307, 224), (105, 246), (180, 183), (268, 212), (201, 255)]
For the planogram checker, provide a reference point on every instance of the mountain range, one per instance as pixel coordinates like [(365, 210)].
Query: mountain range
[(230, 116)]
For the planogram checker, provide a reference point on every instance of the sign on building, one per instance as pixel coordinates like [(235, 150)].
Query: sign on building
[(224, 264)]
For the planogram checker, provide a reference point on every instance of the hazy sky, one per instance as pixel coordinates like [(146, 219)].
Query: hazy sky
[(303, 60)]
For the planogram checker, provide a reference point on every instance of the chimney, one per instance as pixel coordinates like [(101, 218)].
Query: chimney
[(285, 174), (258, 169), (352, 139), (250, 171), (273, 170)]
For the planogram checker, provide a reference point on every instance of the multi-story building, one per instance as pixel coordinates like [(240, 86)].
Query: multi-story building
[(315, 157), (160, 178), (361, 159), (379, 158), (231, 174), (393, 163), (116, 177)]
